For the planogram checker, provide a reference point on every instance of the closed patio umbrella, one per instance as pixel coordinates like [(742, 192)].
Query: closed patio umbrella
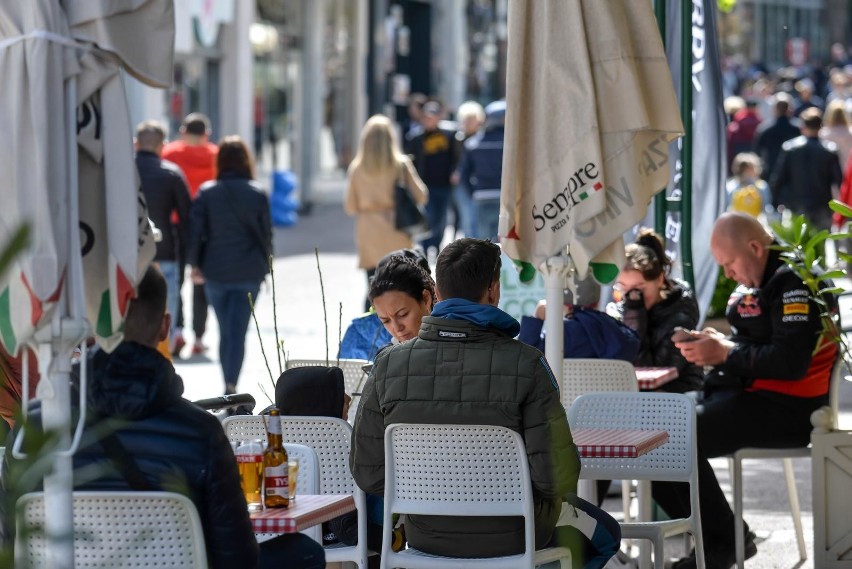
[(590, 111), (69, 172)]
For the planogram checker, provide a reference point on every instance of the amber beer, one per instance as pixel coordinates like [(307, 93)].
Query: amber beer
[(250, 465), (275, 465)]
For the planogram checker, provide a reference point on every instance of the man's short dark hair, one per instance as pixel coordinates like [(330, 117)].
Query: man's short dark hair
[(466, 268), (150, 135), (197, 124), (145, 314), (812, 118)]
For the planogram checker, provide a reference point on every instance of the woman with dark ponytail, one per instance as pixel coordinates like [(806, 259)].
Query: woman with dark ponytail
[(653, 304)]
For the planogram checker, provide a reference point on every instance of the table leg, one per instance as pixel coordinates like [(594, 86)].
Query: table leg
[(645, 514)]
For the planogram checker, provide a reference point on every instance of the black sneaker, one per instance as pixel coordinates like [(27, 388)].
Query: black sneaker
[(719, 558)]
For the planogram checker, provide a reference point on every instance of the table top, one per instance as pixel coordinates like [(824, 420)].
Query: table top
[(617, 443), (306, 511), (653, 377)]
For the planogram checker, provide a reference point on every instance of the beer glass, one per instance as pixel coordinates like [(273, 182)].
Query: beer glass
[(250, 464), (293, 465)]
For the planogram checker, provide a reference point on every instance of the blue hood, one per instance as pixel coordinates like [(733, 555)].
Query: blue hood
[(483, 315)]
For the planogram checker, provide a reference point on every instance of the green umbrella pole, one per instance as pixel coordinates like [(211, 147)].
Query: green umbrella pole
[(686, 154), (660, 198)]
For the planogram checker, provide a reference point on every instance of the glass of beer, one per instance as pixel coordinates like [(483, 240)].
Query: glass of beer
[(250, 464), (293, 465)]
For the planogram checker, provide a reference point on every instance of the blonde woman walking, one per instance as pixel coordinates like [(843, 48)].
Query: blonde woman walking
[(372, 178)]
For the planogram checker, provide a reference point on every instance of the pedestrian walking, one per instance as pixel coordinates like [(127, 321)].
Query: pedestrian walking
[(231, 240), (167, 196), (196, 156), (435, 153), (370, 193)]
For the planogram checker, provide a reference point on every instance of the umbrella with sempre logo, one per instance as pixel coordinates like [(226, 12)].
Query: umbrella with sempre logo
[(590, 111)]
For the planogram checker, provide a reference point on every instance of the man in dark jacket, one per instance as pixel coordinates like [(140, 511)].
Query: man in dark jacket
[(167, 195), (464, 367), (807, 174), (771, 135), (142, 435), (767, 378), (482, 168)]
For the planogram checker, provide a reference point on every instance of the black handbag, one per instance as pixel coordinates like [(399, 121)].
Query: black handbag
[(410, 215)]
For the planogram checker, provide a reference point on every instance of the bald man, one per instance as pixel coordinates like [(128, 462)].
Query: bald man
[(766, 378)]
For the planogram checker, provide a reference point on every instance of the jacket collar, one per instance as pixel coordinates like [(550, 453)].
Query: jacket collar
[(482, 315)]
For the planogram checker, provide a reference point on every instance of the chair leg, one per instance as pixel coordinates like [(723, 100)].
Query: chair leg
[(659, 556), (794, 507), (626, 488), (739, 526), (698, 540)]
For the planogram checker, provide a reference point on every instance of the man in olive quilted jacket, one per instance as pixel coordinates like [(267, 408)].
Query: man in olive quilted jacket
[(465, 368)]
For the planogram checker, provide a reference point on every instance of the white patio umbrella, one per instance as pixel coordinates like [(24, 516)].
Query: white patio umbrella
[(590, 111), (88, 219)]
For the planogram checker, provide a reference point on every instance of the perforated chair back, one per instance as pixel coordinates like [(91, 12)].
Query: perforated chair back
[(308, 479), (118, 530), (353, 376), (331, 440), (580, 376), (458, 470), (675, 461), (329, 437)]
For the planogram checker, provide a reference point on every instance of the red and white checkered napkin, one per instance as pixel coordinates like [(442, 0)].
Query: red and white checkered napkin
[(307, 511), (652, 377), (617, 443)]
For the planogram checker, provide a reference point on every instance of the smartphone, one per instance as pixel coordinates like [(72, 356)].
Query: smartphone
[(681, 334)]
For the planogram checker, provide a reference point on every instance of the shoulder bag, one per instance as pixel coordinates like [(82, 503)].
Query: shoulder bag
[(410, 216)]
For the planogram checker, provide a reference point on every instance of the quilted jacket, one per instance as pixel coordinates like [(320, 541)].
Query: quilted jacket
[(461, 372)]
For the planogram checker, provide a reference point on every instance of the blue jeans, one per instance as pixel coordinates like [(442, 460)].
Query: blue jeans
[(231, 305), (170, 273), (436, 212), (467, 211)]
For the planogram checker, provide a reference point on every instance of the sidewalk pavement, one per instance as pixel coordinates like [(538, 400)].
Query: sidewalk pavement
[(301, 325)]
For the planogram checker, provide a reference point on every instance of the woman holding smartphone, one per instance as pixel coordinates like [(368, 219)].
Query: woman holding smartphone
[(653, 304)]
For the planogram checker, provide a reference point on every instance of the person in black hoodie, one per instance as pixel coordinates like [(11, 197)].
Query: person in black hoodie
[(653, 304), (141, 434)]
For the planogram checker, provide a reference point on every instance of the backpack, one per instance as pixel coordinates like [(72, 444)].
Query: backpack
[(747, 199)]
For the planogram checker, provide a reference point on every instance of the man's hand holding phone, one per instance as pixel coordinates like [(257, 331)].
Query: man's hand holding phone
[(681, 334), (705, 348)]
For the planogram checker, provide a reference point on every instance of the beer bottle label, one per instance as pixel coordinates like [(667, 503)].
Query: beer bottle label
[(249, 458), (277, 480)]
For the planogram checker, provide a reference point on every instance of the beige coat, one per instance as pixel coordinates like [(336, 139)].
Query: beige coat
[(370, 198)]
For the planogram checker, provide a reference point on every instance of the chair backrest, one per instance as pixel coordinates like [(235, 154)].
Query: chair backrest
[(329, 437), (308, 479), (672, 412), (580, 376), (353, 376), (119, 530), (456, 470)]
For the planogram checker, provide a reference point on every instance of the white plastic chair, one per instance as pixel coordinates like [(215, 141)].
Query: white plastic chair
[(735, 463), (586, 375), (118, 530), (331, 440), (459, 470), (581, 376), (675, 461), (353, 376), (307, 482)]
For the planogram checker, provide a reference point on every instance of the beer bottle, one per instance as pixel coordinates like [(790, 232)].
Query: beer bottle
[(275, 465)]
